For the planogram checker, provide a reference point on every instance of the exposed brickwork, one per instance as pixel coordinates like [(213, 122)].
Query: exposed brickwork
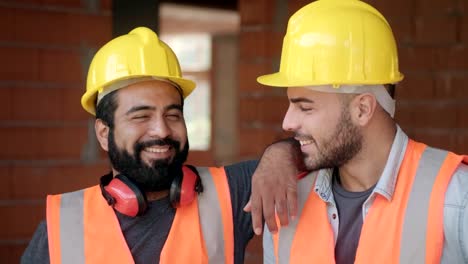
[(452, 86), (42, 143), (60, 27), (426, 83), (17, 229), (248, 73), (270, 111), (49, 104), (11, 251), (260, 42), (435, 30), (436, 7), (43, 131), (28, 215), (256, 12), (394, 8), (43, 180), (259, 137), (417, 58)]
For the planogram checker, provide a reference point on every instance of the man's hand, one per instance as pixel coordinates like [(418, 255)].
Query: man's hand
[(274, 186)]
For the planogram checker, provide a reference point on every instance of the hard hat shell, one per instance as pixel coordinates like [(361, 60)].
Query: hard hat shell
[(139, 53), (336, 42)]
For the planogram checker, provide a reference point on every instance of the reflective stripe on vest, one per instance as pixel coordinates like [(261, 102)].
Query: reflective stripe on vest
[(287, 233), (218, 237), (407, 229), (82, 228), (414, 226)]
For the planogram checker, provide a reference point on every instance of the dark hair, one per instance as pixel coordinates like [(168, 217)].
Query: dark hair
[(106, 107), (181, 94), (390, 89)]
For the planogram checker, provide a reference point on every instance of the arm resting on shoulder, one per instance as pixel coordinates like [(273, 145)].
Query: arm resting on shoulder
[(274, 185)]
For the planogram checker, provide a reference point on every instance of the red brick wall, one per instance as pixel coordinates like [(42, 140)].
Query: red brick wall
[(433, 49), (431, 101), (48, 143), (261, 108), (45, 47)]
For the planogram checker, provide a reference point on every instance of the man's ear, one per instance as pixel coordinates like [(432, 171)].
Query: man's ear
[(364, 106), (102, 133)]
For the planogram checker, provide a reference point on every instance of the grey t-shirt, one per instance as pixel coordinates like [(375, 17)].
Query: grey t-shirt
[(146, 234), (349, 205)]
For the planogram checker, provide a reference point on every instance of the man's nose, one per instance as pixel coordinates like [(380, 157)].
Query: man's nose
[(159, 129), (290, 121)]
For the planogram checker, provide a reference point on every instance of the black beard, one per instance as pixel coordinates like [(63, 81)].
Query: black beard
[(154, 178), (345, 143)]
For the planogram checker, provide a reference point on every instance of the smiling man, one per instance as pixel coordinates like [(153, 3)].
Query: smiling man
[(372, 194), (151, 208), (150, 128)]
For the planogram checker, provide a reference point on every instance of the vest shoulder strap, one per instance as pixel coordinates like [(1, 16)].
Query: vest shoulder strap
[(67, 216), (216, 220), (423, 222)]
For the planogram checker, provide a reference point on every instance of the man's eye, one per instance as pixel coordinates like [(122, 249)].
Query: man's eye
[(174, 117), (139, 117), (305, 109)]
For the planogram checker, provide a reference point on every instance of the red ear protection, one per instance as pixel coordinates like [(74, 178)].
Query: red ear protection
[(184, 189), (125, 196)]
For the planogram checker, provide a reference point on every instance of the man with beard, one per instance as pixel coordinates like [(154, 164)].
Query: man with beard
[(372, 195), (151, 208)]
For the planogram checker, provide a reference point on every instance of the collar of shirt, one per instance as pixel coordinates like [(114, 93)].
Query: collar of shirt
[(386, 184)]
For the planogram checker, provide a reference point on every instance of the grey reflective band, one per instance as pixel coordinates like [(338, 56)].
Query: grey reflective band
[(211, 219), (286, 234), (413, 239), (72, 228)]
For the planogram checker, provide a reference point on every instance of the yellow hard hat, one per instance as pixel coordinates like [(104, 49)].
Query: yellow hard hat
[(140, 53), (335, 42)]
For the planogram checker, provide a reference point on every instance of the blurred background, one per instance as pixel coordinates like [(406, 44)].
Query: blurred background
[(47, 140)]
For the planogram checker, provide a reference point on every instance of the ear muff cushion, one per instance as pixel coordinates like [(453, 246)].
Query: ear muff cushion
[(174, 192), (187, 192), (129, 200), (183, 189)]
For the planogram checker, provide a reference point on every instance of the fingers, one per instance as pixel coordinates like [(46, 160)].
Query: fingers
[(282, 209), (257, 214), (292, 201), (248, 207), (269, 214)]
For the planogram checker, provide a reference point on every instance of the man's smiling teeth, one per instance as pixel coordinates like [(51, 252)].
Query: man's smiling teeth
[(157, 150), (305, 142)]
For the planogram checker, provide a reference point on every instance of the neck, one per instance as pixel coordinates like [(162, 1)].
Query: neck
[(153, 196), (150, 196), (365, 169)]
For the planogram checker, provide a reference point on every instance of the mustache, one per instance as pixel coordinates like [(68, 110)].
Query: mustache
[(304, 137), (157, 142)]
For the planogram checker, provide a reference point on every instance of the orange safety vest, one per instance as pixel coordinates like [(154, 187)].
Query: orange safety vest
[(83, 228), (407, 229)]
